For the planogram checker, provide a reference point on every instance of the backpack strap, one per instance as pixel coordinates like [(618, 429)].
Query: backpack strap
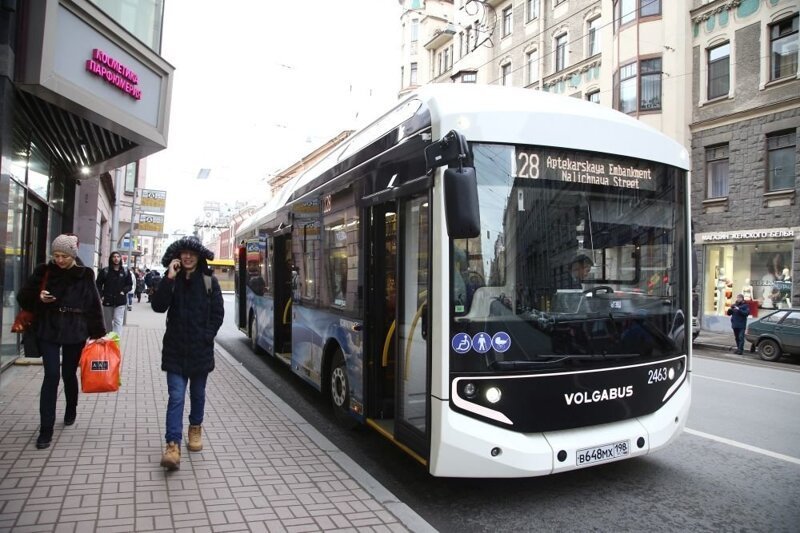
[(207, 281)]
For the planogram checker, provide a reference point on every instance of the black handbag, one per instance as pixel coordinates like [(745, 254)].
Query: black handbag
[(30, 344)]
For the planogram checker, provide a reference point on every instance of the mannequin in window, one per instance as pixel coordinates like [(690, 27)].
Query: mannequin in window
[(721, 286), (747, 290)]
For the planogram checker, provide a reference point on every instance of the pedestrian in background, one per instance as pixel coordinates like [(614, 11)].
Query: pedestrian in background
[(113, 284), (192, 299), (63, 297), (132, 275), (738, 313), (139, 285)]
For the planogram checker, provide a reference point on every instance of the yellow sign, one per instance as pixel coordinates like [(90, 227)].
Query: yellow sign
[(152, 201), (151, 225)]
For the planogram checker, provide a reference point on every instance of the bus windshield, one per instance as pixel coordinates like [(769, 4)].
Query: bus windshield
[(579, 260)]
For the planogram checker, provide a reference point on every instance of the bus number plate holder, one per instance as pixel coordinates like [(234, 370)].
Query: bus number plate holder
[(607, 452)]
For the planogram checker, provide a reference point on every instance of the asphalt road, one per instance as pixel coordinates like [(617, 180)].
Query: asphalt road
[(737, 467)]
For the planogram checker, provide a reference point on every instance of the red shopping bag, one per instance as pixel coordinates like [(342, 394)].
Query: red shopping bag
[(100, 361)]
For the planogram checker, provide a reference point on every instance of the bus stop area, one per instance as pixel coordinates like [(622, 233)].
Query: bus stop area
[(262, 468)]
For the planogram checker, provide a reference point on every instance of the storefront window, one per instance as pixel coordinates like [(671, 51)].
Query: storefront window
[(760, 271), (12, 271)]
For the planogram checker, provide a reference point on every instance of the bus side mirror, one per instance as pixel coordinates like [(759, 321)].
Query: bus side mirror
[(462, 212)]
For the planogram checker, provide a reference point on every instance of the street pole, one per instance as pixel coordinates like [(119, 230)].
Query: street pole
[(133, 219)]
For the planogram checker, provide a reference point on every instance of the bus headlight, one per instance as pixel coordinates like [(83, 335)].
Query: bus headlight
[(470, 390), (493, 395)]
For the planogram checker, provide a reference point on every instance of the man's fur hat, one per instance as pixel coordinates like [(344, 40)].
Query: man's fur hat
[(192, 244)]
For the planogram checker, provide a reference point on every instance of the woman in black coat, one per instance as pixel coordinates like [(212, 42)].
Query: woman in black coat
[(67, 310), (192, 299)]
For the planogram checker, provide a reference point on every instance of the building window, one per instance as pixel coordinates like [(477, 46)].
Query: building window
[(593, 37), (402, 76), (461, 44), (532, 59), (414, 32), (649, 8), (130, 177), (593, 96), (781, 148), (640, 86), (507, 21), (651, 84), (413, 74), (469, 77), (717, 171), (719, 67), (505, 74), (532, 9), (627, 88), (467, 38), (624, 12), (561, 52), (783, 48)]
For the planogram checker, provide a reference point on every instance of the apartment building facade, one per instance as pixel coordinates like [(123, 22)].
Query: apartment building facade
[(650, 59)]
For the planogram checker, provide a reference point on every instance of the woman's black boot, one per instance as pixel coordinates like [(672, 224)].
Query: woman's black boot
[(45, 436), (70, 415)]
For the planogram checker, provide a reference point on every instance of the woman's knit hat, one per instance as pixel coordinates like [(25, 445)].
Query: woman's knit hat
[(66, 243)]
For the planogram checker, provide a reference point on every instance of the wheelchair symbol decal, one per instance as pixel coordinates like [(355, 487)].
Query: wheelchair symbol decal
[(461, 343)]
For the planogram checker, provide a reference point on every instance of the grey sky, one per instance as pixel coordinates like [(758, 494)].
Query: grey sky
[(258, 84)]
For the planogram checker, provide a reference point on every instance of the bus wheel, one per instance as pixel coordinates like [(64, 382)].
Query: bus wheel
[(769, 350), (340, 391), (253, 332)]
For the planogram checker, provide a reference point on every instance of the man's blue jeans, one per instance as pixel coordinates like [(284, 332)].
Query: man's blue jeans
[(176, 385), (738, 333)]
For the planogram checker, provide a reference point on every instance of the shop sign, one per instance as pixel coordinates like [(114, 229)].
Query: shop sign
[(114, 72), (747, 235)]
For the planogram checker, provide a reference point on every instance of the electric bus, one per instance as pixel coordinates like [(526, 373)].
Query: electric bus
[(496, 279)]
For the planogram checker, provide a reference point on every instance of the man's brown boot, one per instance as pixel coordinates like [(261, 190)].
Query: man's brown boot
[(195, 443), (171, 460)]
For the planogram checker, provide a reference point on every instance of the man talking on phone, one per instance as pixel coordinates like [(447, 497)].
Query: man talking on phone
[(192, 298)]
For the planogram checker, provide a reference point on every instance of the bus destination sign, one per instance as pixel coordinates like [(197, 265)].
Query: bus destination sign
[(576, 167)]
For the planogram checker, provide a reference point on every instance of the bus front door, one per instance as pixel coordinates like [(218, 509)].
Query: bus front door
[(284, 277), (412, 411), (241, 289), (397, 277)]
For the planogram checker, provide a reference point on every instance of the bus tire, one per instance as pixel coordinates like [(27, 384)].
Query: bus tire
[(252, 331), (339, 391), (769, 350)]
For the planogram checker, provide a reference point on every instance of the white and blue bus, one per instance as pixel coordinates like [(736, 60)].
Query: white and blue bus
[(496, 279)]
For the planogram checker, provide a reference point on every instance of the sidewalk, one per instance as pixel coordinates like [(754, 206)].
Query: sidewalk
[(263, 468)]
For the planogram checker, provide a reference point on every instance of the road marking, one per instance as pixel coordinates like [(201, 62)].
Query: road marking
[(762, 451), (745, 384)]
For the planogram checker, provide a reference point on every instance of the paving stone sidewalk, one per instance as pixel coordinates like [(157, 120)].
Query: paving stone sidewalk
[(263, 468)]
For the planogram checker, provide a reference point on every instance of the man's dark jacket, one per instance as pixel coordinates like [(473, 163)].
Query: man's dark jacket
[(75, 315), (114, 285), (193, 319), (739, 315)]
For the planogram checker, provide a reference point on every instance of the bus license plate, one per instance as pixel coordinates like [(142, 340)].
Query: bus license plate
[(607, 452)]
